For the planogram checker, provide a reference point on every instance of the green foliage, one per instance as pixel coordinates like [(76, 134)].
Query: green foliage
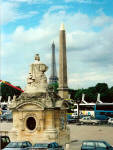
[(106, 94), (53, 86), (72, 93), (101, 87), (79, 93), (7, 90)]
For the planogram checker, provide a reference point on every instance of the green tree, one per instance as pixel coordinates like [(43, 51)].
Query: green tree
[(111, 94), (101, 87), (7, 90), (91, 94), (54, 86), (78, 94)]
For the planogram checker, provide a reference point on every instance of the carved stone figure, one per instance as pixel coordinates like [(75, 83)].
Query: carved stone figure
[(37, 81)]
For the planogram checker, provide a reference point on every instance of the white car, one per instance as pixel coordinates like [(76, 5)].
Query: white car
[(89, 120), (110, 121)]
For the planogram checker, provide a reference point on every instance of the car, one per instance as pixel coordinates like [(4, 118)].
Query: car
[(5, 140), (95, 145), (24, 145), (110, 121), (6, 116), (89, 120), (57, 146), (71, 120), (47, 146)]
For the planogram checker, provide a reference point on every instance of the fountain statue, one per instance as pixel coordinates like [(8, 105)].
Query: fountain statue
[(39, 114), (36, 81)]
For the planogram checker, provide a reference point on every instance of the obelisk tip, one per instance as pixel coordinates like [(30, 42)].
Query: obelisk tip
[(62, 27)]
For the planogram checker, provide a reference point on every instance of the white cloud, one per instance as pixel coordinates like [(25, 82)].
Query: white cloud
[(85, 80), (10, 12), (102, 20), (57, 8), (31, 1), (83, 1), (89, 53)]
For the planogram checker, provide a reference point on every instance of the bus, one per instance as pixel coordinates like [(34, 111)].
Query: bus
[(84, 109), (70, 111), (103, 111)]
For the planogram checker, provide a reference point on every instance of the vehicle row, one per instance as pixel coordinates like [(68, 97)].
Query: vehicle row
[(90, 120), (6, 144)]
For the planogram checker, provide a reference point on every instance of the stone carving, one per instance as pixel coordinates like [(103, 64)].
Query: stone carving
[(37, 81)]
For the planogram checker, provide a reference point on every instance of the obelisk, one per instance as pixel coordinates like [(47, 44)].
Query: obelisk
[(63, 86)]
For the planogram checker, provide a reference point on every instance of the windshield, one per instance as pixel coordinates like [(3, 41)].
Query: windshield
[(41, 145), (15, 145)]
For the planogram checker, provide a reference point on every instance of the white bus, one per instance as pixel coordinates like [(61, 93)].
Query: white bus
[(84, 109)]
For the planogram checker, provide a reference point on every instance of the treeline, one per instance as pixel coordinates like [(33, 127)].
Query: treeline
[(106, 93), (6, 90)]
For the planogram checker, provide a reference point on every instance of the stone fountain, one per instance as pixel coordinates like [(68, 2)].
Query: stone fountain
[(39, 114)]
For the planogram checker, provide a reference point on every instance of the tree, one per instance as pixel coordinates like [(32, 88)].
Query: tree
[(7, 90), (78, 94), (54, 86), (72, 93), (106, 94), (91, 94), (101, 87)]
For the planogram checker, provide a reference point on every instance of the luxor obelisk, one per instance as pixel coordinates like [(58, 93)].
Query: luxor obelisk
[(63, 86)]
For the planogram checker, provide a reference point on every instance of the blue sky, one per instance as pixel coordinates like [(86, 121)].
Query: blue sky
[(30, 26)]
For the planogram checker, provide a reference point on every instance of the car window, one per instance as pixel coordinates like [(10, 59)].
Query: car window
[(89, 144), (100, 144), (12, 145)]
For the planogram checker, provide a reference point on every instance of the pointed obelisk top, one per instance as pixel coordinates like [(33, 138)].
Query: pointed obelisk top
[(62, 27)]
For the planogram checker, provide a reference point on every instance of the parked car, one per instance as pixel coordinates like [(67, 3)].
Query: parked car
[(89, 120), (6, 116), (71, 120), (47, 146), (95, 145), (18, 146), (5, 140), (110, 121)]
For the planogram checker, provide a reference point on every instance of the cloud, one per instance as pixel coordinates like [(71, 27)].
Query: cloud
[(89, 53), (31, 1), (83, 1), (10, 12), (102, 20), (57, 8), (85, 80)]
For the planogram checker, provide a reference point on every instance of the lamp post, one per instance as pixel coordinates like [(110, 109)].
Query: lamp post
[(78, 101)]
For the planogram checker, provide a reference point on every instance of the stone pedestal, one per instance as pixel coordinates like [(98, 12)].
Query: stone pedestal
[(40, 119)]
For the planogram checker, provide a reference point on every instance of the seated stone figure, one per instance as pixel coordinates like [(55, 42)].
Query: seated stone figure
[(36, 81)]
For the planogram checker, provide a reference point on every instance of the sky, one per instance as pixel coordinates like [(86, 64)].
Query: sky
[(29, 27)]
